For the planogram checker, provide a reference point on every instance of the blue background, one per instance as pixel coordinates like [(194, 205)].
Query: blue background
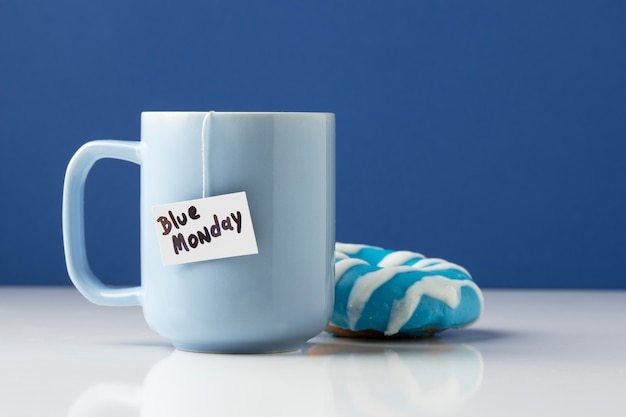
[(489, 133)]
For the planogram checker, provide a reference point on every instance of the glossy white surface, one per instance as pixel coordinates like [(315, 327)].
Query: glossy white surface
[(534, 353)]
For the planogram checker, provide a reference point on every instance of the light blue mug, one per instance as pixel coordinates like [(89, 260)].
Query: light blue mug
[(271, 301)]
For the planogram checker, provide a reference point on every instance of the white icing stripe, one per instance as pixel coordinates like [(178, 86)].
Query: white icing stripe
[(340, 255), (351, 248), (365, 286), (444, 289), (343, 265), (444, 266), (398, 258), (426, 262), (436, 264)]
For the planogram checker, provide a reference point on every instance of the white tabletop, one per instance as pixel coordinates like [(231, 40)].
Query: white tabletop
[(534, 353)]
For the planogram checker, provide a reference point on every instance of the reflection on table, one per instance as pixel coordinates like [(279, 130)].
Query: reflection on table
[(534, 353), (329, 376)]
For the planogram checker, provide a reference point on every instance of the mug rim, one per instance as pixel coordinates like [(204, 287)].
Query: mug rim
[(256, 113)]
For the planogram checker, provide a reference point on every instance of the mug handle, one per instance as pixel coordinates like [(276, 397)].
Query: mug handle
[(78, 267)]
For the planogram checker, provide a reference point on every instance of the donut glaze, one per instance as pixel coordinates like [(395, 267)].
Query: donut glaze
[(380, 292)]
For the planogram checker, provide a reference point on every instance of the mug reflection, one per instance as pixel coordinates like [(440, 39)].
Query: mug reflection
[(278, 385), (329, 377)]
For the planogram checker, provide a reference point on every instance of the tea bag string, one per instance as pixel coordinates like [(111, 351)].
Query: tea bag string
[(205, 121)]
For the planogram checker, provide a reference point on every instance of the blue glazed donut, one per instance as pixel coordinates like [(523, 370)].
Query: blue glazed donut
[(380, 292)]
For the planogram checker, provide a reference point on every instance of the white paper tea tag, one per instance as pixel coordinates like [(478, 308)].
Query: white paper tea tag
[(207, 228)]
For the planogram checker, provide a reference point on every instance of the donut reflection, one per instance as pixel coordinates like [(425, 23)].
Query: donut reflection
[(399, 378)]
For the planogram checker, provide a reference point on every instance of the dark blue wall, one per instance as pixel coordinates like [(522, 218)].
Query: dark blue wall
[(489, 133)]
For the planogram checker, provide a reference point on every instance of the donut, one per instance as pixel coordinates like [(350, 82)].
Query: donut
[(386, 293)]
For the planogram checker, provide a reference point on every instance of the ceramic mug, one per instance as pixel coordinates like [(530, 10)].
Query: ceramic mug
[(274, 300)]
